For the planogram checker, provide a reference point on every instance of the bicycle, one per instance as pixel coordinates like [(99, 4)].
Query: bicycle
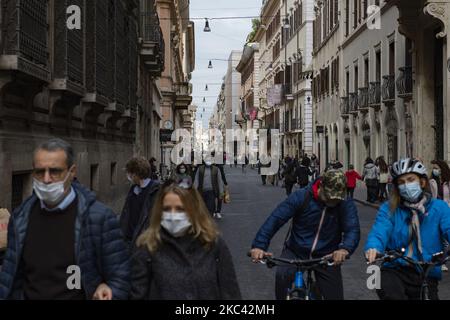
[(301, 289), (423, 267)]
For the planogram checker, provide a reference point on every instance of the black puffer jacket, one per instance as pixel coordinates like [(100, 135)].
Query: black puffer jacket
[(182, 269)]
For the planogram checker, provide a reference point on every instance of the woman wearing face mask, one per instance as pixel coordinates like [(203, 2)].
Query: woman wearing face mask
[(413, 221), (181, 256), (440, 180), (182, 172)]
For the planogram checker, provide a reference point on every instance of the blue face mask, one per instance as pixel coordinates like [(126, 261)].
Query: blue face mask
[(410, 192)]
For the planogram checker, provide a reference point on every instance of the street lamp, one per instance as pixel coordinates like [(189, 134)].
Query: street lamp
[(207, 28), (286, 24)]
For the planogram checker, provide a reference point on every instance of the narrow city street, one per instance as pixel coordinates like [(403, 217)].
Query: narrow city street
[(251, 203)]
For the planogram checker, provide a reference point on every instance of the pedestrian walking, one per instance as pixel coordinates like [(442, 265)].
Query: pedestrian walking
[(352, 177), (182, 172), (314, 166), (153, 169), (181, 255), (289, 176), (59, 228), (134, 217), (415, 222), (370, 177), (383, 180), (211, 186), (323, 223), (303, 173)]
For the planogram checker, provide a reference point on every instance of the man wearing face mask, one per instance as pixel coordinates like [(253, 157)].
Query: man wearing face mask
[(138, 204), (414, 221), (324, 222), (60, 226)]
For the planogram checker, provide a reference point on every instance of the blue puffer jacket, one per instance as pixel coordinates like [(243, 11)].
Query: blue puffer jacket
[(391, 232), (100, 250), (339, 230)]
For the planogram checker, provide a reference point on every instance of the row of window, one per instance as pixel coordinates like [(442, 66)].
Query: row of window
[(295, 21), (272, 28), (356, 13), (323, 84), (327, 18)]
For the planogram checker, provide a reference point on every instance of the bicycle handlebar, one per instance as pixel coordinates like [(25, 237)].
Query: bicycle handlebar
[(389, 256), (272, 262)]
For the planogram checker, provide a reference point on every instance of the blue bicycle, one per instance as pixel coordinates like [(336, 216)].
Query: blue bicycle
[(301, 289)]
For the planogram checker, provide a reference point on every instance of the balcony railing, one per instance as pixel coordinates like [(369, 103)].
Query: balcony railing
[(363, 98), (405, 82), (375, 93), (388, 89), (345, 106), (353, 103)]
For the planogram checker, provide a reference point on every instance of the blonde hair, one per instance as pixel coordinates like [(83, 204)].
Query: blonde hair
[(203, 227)]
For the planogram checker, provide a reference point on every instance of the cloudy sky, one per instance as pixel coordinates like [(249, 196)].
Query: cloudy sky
[(225, 35)]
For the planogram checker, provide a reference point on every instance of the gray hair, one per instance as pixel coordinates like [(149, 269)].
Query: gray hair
[(57, 144)]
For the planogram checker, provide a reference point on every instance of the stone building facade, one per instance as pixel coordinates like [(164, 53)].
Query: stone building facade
[(379, 80), (79, 85)]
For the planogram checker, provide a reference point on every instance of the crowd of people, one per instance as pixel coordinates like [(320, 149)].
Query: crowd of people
[(165, 244)]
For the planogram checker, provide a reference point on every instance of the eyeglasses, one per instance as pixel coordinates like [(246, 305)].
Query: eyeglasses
[(55, 173)]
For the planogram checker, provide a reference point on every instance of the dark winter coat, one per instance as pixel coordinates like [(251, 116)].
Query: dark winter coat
[(340, 228), (144, 216), (100, 249), (182, 269)]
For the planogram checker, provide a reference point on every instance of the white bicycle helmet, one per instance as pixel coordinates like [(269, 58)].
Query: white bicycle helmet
[(408, 165)]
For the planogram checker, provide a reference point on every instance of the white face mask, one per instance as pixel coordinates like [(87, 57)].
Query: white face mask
[(53, 193), (175, 223), (182, 170)]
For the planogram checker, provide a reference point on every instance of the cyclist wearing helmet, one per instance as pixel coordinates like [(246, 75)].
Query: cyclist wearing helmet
[(324, 222), (413, 220)]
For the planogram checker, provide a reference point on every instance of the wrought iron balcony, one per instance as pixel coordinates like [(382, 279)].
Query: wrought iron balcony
[(388, 89), (405, 82), (363, 98), (375, 94), (353, 103), (152, 42), (345, 107), (25, 38)]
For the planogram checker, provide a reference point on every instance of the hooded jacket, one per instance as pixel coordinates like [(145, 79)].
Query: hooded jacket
[(100, 250), (339, 229), (371, 172)]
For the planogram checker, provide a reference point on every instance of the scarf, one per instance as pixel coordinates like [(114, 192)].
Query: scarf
[(414, 227)]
